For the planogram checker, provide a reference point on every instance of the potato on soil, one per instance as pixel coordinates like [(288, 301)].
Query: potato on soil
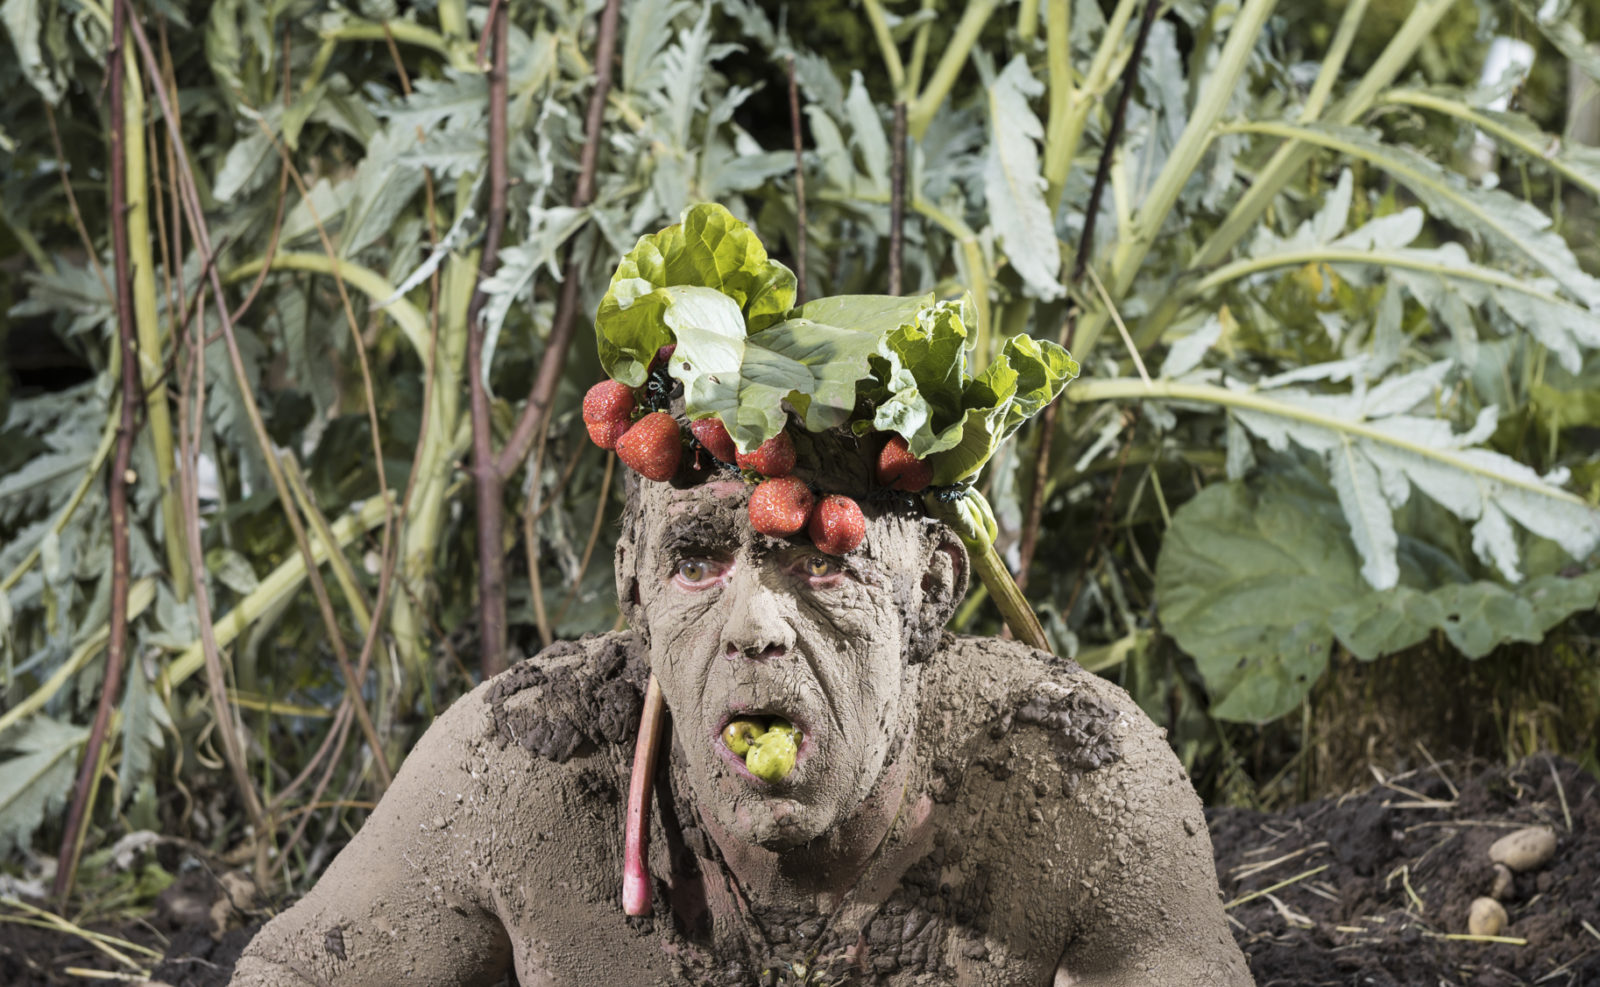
[(1526, 849), (1486, 917)]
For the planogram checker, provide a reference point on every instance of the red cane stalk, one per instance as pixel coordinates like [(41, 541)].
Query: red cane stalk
[(636, 833), (117, 643)]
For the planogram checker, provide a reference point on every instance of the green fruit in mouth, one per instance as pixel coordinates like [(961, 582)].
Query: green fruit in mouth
[(738, 735), (771, 755)]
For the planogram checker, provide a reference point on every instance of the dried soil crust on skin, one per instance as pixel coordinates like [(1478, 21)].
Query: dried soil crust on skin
[(1354, 922)]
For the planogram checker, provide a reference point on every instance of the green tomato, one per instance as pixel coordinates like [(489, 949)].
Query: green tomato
[(772, 754), (739, 734)]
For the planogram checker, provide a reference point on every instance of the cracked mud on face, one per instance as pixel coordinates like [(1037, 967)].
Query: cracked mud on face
[(785, 669)]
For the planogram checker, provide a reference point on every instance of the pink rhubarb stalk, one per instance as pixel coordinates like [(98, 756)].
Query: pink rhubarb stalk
[(636, 833)]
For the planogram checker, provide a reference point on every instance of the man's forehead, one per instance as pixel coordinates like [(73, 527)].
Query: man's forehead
[(713, 497)]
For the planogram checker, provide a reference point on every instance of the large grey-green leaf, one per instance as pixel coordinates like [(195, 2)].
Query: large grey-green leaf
[(1512, 228), (1244, 582), (1013, 186)]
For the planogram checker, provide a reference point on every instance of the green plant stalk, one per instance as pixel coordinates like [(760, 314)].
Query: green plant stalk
[(1058, 151), (1333, 61), (971, 25), (147, 326), (886, 45), (412, 322), (1024, 623), (275, 588), (1290, 158), (140, 596), (1381, 258), (1489, 125), (1123, 388), (1028, 19), (919, 52), (1061, 143), (460, 54), (453, 18), (342, 573), (1186, 154)]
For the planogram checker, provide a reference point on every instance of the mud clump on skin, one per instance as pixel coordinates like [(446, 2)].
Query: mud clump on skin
[(1363, 926), (590, 695)]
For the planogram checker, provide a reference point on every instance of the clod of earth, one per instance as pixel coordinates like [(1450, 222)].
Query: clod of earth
[(1526, 849)]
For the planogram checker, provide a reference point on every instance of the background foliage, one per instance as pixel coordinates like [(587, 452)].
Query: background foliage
[(1326, 487)]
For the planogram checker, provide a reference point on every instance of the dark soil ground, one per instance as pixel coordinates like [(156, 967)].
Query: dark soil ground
[(1369, 888), (1365, 890)]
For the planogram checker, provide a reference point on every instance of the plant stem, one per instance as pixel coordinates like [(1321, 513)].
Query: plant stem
[(194, 211), (1191, 146), (1029, 538), (147, 324), (799, 189), (1058, 58), (886, 47), (897, 197), (1019, 616), (636, 830), (1028, 20), (971, 25), (117, 641), (487, 479), (536, 412)]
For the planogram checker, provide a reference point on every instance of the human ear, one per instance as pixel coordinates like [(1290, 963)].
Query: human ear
[(944, 582)]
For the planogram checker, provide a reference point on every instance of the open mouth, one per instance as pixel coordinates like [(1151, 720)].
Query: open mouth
[(766, 745)]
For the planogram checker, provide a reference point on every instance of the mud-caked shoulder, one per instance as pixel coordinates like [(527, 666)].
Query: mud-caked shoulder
[(997, 694), (571, 697)]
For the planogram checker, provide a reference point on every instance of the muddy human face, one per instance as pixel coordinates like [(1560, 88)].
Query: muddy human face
[(745, 626)]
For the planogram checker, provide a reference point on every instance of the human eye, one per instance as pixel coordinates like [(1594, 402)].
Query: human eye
[(822, 570), (699, 573)]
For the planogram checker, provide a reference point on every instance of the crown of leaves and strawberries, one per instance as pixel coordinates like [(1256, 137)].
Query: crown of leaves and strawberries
[(700, 304)]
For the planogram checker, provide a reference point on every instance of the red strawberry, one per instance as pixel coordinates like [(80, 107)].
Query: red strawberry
[(774, 457), (652, 446), (712, 434), (606, 434), (780, 506), (607, 401), (900, 470), (837, 525)]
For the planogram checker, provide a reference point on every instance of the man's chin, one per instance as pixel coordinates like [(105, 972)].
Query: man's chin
[(777, 824)]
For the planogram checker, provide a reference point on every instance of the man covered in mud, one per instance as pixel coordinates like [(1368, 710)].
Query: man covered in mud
[(922, 808)]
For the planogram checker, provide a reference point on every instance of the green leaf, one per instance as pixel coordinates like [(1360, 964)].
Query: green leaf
[(1025, 377), (23, 23), (36, 779), (708, 248), (744, 380), (1013, 185), (1382, 622), (1245, 578)]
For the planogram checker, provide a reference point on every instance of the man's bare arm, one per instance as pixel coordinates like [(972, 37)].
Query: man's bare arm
[(404, 902), (1155, 916)]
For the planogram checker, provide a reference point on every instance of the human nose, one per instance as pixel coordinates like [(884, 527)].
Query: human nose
[(756, 628)]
